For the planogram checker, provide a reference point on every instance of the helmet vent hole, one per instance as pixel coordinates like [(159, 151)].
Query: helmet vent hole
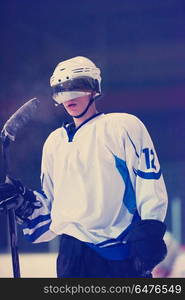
[(67, 77), (59, 80)]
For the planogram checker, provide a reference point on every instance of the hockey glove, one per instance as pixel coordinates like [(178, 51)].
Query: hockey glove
[(14, 195), (147, 245)]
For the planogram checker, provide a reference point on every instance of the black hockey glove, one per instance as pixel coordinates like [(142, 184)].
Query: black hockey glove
[(147, 246), (14, 195)]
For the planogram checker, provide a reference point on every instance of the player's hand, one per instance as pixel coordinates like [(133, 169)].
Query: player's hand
[(147, 254), (10, 195), (147, 247), (14, 195)]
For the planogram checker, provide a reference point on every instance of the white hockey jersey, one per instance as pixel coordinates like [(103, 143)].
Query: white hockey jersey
[(97, 181)]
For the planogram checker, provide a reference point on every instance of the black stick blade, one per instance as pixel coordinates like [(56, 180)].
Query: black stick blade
[(19, 119)]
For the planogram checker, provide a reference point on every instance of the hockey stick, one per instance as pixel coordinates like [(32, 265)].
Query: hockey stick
[(14, 124)]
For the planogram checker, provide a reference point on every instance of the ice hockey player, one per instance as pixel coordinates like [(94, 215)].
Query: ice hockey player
[(104, 192)]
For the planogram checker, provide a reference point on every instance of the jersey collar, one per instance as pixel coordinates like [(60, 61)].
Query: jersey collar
[(71, 129)]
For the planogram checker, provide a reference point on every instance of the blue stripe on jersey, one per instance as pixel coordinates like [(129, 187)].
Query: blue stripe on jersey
[(135, 219), (38, 232), (114, 252), (122, 235), (129, 198), (41, 191), (148, 175), (32, 223), (118, 250), (133, 145)]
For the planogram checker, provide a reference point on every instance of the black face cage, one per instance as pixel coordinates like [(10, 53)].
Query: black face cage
[(83, 83)]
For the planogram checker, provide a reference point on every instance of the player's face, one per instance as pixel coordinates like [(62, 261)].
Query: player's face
[(76, 106)]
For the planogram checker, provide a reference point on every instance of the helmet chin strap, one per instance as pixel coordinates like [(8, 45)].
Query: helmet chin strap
[(86, 109)]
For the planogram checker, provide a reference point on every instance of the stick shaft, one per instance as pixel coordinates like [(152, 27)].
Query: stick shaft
[(14, 243), (11, 218), (5, 167)]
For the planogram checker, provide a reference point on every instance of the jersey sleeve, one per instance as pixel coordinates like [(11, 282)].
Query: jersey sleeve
[(37, 226), (144, 168)]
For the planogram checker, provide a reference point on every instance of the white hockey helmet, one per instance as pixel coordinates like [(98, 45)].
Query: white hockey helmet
[(76, 76)]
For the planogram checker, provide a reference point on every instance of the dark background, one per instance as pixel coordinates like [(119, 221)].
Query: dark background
[(140, 48)]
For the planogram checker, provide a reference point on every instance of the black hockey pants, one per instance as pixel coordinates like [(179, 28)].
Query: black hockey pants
[(78, 260)]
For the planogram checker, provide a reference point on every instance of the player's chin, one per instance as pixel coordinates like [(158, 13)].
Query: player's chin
[(73, 113)]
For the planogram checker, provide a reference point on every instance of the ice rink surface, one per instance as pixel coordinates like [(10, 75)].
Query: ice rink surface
[(43, 265), (40, 265)]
